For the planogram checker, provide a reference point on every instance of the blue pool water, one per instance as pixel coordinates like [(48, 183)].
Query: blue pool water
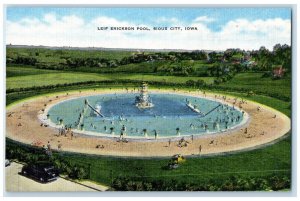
[(169, 115)]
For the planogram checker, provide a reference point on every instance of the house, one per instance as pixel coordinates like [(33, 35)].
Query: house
[(278, 72), (249, 64)]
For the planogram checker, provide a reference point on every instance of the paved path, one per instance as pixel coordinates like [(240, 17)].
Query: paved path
[(17, 183)]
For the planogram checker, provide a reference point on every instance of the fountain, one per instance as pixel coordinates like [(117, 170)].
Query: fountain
[(162, 114), (143, 101)]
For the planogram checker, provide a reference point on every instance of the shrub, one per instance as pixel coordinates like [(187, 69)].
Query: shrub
[(233, 183), (81, 173)]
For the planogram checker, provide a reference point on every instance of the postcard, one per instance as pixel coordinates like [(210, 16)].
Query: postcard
[(148, 98)]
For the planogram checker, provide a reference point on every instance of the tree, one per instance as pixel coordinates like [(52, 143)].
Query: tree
[(190, 83), (282, 56)]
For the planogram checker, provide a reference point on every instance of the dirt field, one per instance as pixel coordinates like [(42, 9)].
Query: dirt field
[(264, 126)]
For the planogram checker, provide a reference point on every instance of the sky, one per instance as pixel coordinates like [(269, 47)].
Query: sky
[(217, 28)]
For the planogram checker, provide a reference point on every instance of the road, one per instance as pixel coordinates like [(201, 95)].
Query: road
[(17, 183)]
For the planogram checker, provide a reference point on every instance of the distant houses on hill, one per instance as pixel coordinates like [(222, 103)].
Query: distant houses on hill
[(278, 71)]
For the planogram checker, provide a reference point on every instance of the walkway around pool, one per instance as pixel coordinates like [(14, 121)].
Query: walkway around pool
[(264, 126)]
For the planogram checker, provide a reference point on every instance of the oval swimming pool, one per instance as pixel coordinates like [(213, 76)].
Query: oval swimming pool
[(172, 115)]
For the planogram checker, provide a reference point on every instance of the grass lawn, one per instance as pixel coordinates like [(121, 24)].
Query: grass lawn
[(22, 71), (51, 79), (264, 162), (56, 56), (23, 77), (167, 79), (255, 82), (282, 106), (155, 68)]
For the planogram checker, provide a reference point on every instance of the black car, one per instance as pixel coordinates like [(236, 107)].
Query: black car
[(7, 162), (42, 171)]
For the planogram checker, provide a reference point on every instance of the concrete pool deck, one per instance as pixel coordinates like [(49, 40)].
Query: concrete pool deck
[(23, 125)]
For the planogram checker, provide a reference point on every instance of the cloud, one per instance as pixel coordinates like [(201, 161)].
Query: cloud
[(74, 31), (50, 18), (247, 34), (204, 19), (164, 20), (108, 21)]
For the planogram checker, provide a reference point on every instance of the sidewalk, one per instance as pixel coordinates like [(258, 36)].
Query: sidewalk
[(89, 184), (14, 182)]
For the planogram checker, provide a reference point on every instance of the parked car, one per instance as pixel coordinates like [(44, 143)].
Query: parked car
[(41, 171), (7, 162)]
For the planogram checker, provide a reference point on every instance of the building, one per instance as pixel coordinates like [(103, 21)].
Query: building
[(278, 72)]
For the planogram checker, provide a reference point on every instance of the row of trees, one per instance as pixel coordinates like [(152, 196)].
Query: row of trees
[(222, 65), (232, 61), (194, 55), (171, 56), (265, 59), (233, 183), (22, 60), (280, 55), (90, 62), (103, 62), (219, 70), (176, 68)]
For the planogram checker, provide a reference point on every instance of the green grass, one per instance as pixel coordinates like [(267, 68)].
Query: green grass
[(14, 71), (51, 79), (55, 56), (57, 59), (200, 67), (167, 79), (255, 82), (144, 67), (155, 67), (264, 162), (24, 77), (282, 106)]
